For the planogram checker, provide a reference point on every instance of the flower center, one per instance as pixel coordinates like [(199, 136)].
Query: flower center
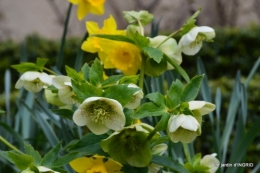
[(100, 111), (199, 39)]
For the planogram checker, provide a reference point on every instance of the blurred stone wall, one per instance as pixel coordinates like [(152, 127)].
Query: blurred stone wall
[(18, 18)]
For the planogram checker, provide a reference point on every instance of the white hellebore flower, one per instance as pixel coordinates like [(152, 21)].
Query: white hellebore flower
[(202, 106), (41, 169), (211, 162), (169, 47), (65, 92), (183, 128), (34, 81), (137, 97), (191, 42), (100, 114), (157, 150)]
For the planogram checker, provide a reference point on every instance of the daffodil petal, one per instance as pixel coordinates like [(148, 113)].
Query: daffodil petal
[(92, 27), (83, 9), (75, 2), (97, 10), (110, 23), (81, 164)]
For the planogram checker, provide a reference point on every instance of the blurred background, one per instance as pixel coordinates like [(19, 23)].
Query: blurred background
[(31, 29)]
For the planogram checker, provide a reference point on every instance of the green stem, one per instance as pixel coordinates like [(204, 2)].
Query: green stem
[(152, 133), (170, 36), (141, 27), (60, 54), (50, 71), (8, 144), (186, 152), (141, 78)]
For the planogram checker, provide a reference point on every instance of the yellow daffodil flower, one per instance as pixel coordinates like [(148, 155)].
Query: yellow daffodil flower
[(114, 54), (109, 27), (94, 164), (88, 6)]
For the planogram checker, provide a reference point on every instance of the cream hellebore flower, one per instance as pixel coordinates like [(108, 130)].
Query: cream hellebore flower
[(191, 42), (211, 162), (41, 169), (169, 47), (34, 81), (96, 163), (183, 128), (137, 97), (100, 114), (157, 150), (130, 145), (65, 91)]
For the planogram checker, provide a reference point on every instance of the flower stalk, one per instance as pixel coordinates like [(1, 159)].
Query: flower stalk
[(8, 144), (186, 152)]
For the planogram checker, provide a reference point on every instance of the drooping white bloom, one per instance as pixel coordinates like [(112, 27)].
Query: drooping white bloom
[(169, 47), (202, 106), (100, 114), (191, 42), (138, 95), (157, 150), (183, 128), (41, 169), (34, 81), (210, 161), (65, 91)]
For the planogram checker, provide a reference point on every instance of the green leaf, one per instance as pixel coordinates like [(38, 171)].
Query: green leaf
[(157, 98), (40, 62), (35, 154), (89, 144), (111, 80), (143, 16), (153, 53), (25, 66), (64, 113), (190, 23), (174, 94), (5, 155), (163, 123), (131, 79), (96, 73), (84, 91), (152, 68), (51, 156), (131, 169), (191, 90), (78, 77), (85, 70), (196, 159), (67, 158), (34, 169), (122, 93), (177, 67), (140, 40), (2, 112), (115, 37), (169, 163), (21, 161), (149, 109)]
